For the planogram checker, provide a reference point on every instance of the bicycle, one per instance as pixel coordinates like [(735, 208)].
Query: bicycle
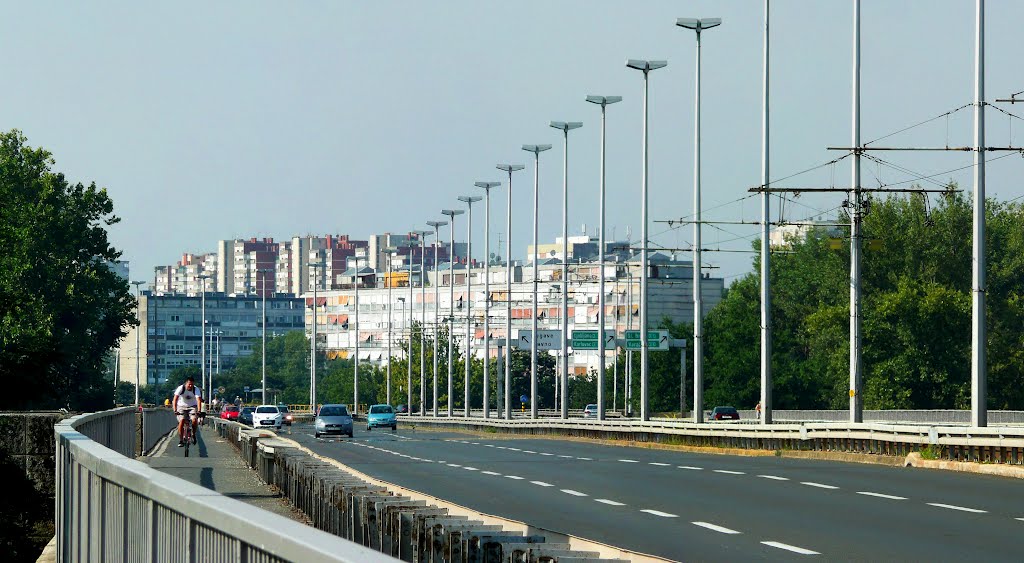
[(187, 433)]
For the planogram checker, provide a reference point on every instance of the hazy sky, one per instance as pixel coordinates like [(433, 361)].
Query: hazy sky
[(208, 121)]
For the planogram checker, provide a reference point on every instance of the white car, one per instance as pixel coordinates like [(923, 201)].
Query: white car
[(266, 416)]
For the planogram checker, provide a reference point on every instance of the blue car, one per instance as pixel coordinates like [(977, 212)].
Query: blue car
[(381, 416)]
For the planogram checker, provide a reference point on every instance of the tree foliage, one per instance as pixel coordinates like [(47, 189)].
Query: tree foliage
[(62, 309), (915, 306)]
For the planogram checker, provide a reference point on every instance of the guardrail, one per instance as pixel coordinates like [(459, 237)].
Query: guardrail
[(110, 507), (998, 444)]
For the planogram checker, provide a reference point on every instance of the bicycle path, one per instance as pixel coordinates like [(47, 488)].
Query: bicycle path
[(213, 463)]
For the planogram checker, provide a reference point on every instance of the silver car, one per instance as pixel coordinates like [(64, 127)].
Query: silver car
[(332, 419)]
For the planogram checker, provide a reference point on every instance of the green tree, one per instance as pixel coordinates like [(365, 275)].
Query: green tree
[(62, 309)]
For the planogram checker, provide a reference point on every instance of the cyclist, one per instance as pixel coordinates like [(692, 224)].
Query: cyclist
[(188, 399)]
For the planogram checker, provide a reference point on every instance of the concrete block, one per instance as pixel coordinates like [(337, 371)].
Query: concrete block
[(12, 434), (39, 433), (40, 471)]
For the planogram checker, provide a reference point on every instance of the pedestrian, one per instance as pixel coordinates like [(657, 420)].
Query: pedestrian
[(757, 410)]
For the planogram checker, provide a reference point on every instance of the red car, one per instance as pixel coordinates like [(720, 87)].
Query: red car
[(230, 412)]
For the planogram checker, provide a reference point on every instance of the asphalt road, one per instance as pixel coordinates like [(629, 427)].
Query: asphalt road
[(689, 506)]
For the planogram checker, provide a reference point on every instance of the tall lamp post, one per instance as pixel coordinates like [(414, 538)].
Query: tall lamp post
[(423, 321), (766, 295), (506, 409), (697, 25), (646, 67), (565, 127), (536, 150), (407, 354), (469, 201), (202, 332), (262, 273), (389, 281), (355, 340), (487, 186), (138, 339), (602, 101), (451, 213), (312, 343), (437, 299)]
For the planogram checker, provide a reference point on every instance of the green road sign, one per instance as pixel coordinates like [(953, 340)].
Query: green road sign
[(590, 339), (656, 340)]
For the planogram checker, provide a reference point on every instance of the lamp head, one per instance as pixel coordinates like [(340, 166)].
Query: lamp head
[(487, 185), (510, 167), (604, 100), (437, 224), (646, 66), (565, 127), (452, 212), (536, 149), (470, 199), (698, 24)]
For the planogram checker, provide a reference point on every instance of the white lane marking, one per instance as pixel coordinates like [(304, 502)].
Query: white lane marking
[(819, 485), (715, 527), (489, 445), (515, 449), (529, 452), (1021, 519), (954, 507), (659, 513), (566, 456), (629, 461), (658, 464), (454, 465), (467, 468), (490, 473), (573, 493), (729, 472), (792, 548), (611, 502), (585, 458), (542, 483), (542, 453), (690, 467), (880, 495), (774, 477), (475, 443), (516, 477)]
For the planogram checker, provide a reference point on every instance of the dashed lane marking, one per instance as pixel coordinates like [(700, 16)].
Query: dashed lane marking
[(516, 477), (659, 513), (542, 483), (629, 461), (960, 508), (880, 495), (611, 502), (659, 464), (792, 548), (715, 527), (574, 493), (490, 473), (729, 472), (818, 485), (690, 467), (774, 477)]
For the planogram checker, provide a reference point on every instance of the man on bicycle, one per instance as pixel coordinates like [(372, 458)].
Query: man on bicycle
[(187, 401)]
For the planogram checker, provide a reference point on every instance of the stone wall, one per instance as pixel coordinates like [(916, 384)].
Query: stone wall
[(27, 468)]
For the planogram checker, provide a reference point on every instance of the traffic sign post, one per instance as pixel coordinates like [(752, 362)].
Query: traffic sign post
[(588, 339), (656, 340)]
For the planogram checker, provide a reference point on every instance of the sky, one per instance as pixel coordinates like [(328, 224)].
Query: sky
[(208, 121)]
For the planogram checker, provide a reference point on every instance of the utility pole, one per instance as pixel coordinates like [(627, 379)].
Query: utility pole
[(979, 368), (856, 402), (565, 127), (766, 295), (437, 299), (138, 341)]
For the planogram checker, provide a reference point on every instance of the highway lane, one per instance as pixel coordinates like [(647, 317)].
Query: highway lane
[(700, 506)]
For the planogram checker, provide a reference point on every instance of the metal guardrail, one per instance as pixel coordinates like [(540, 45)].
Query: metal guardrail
[(110, 507), (997, 444)]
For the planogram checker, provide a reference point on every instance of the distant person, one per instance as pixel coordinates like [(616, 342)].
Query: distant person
[(187, 400), (757, 410)]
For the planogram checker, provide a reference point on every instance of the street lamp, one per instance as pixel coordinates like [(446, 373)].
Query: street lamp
[(536, 150), (312, 346), (507, 407), (451, 213), (469, 201), (423, 322), (487, 186), (138, 340), (263, 325), (389, 282), (646, 67), (437, 297), (202, 337), (407, 355), (602, 101), (565, 127), (355, 340), (698, 301)]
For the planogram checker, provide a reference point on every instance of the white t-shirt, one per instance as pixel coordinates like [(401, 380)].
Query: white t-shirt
[(187, 398)]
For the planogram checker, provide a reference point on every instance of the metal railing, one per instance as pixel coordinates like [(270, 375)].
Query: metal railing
[(110, 507)]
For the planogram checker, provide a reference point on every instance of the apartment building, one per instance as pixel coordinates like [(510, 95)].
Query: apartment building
[(183, 277), (170, 335), (670, 295)]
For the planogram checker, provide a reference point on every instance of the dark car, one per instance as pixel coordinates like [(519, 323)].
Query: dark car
[(402, 409), (288, 417), (724, 413), (245, 415)]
